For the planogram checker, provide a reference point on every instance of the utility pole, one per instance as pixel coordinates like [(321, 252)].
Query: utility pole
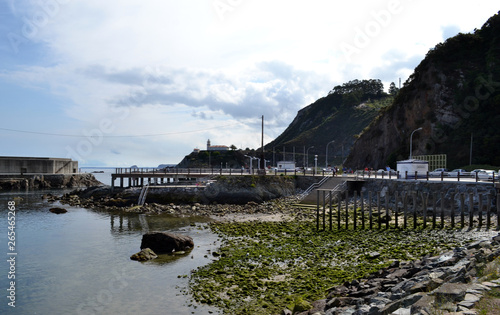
[(262, 141)]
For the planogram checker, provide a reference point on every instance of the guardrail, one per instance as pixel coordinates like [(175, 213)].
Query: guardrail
[(219, 171), (360, 174)]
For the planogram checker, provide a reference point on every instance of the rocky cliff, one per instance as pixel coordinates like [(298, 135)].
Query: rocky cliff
[(454, 95)]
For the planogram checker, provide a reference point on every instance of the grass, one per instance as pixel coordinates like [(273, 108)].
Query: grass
[(264, 267)]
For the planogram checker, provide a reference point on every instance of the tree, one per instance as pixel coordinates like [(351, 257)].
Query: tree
[(232, 147), (393, 90)]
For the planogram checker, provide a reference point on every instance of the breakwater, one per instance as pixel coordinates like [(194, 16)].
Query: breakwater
[(46, 181)]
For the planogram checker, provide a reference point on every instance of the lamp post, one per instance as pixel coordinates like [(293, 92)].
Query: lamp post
[(326, 159), (411, 138), (315, 164), (307, 156)]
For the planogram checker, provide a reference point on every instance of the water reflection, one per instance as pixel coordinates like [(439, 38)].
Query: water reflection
[(69, 260)]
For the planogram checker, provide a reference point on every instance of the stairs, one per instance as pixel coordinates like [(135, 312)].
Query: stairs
[(331, 183), (144, 193)]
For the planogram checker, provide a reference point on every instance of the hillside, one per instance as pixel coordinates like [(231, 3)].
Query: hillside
[(453, 94), (338, 117)]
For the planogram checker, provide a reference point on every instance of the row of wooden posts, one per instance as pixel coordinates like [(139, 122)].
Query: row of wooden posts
[(366, 212)]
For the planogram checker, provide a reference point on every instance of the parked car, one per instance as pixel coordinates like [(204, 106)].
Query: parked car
[(437, 172), (487, 175), (455, 172)]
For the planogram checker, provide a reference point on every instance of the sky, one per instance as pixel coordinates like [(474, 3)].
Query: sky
[(144, 82)]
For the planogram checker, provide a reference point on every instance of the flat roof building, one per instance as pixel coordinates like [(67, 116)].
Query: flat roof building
[(36, 165)]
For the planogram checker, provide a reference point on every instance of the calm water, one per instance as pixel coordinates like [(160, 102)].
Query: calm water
[(78, 262)]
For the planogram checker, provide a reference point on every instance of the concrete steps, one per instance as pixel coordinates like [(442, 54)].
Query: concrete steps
[(330, 184)]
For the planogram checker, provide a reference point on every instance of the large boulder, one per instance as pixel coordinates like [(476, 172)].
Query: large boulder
[(163, 242)]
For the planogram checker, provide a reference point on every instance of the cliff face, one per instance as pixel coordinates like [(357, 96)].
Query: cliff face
[(453, 94)]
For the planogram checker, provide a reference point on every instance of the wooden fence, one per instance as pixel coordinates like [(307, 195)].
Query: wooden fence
[(405, 210)]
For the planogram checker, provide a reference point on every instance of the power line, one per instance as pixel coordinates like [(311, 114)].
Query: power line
[(117, 136)]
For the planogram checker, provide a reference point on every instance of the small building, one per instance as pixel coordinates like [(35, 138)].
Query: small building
[(12, 165), (285, 165), (211, 147), (412, 166)]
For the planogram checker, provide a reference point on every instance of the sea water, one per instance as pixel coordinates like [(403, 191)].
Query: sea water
[(79, 262)]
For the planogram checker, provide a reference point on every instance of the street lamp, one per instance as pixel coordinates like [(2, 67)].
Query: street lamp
[(307, 156), (315, 164), (411, 138), (326, 160)]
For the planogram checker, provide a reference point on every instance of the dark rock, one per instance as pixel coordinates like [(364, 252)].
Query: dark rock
[(162, 242), (58, 210), (144, 254)]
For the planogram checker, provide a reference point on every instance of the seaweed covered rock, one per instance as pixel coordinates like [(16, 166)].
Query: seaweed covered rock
[(144, 254)]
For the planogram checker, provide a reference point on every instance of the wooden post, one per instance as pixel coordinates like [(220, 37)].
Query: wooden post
[(415, 210), (498, 211), (442, 210), (362, 211), (405, 210), (434, 210), (480, 210), (453, 211), (339, 210), (425, 197), (488, 206), (355, 210), (347, 210), (317, 210), (324, 210), (396, 195), (471, 210), (387, 210), (462, 215), (331, 210), (370, 210), (378, 209)]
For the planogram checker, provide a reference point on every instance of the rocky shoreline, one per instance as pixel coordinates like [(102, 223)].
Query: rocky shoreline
[(451, 283), (103, 199), (47, 181)]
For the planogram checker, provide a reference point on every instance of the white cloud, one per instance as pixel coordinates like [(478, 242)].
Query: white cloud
[(186, 69)]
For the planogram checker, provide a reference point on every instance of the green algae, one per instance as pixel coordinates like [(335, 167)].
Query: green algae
[(264, 266)]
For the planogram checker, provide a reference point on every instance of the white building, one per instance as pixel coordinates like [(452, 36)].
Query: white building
[(216, 147)]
